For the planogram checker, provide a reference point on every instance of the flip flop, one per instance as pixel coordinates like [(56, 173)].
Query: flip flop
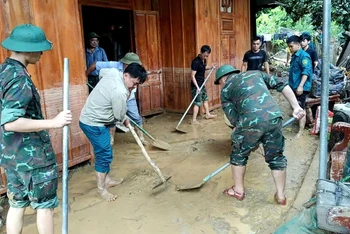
[(237, 195), (282, 202)]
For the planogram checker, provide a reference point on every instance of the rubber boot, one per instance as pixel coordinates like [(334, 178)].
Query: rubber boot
[(140, 134)]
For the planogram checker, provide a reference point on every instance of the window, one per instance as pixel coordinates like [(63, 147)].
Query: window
[(226, 6)]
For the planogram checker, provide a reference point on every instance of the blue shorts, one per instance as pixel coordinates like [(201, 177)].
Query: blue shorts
[(100, 140)]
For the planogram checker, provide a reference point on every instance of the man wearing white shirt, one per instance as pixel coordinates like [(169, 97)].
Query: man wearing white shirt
[(132, 109)]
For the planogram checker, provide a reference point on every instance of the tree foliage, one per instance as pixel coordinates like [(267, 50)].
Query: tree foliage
[(340, 13), (271, 20)]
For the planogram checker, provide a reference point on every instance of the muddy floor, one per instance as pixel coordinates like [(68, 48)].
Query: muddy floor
[(205, 147)]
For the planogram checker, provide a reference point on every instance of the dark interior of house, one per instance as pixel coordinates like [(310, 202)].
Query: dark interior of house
[(114, 27)]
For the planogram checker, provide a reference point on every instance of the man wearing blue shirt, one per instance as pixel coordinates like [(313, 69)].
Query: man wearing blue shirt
[(94, 53), (300, 75)]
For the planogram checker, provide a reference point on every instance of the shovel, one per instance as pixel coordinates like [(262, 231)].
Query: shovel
[(208, 177), (183, 116), (156, 143), (150, 161)]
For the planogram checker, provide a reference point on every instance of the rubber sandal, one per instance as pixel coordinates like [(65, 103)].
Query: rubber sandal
[(282, 202), (237, 195)]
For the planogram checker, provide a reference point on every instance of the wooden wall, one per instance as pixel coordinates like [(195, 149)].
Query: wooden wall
[(208, 32), (185, 27), (243, 30), (117, 4), (145, 5), (177, 24), (62, 27)]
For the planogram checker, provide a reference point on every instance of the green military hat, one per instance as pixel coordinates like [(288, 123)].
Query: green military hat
[(131, 58), (224, 70), (93, 35), (27, 38)]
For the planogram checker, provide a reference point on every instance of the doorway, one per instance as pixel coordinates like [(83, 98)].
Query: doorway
[(115, 28)]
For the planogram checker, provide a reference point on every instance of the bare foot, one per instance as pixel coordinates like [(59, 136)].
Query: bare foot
[(111, 183), (144, 141), (105, 195), (194, 122), (300, 133), (210, 116)]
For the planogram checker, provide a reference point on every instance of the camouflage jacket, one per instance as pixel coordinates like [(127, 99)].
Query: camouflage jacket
[(246, 99), (19, 98)]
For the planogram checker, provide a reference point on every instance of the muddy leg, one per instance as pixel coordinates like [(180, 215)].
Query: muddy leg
[(142, 139), (102, 189), (195, 113), (112, 131), (238, 176), (111, 183), (301, 126), (279, 177), (207, 113)]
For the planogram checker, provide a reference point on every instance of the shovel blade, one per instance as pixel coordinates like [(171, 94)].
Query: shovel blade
[(161, 182), (161, 145), (189, 187), (177, 129)]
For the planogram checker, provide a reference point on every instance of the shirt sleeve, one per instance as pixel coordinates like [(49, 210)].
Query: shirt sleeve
[(17, 95), (119, 100), (245, 57), (264, 56), (274, 82), (314, 56), (104, 56), (228, 107), (194, 65), (111, 64), (306, 66)]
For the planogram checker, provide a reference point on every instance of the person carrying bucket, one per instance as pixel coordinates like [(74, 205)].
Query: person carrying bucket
[(26, 152), (250, 107)]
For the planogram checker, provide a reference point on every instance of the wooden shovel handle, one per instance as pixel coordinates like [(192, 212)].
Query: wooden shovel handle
[(144, 152)]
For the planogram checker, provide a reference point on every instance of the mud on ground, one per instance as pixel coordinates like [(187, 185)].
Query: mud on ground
[(194, 155)]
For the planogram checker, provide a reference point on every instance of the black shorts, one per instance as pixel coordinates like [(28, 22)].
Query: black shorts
[(302, 98)]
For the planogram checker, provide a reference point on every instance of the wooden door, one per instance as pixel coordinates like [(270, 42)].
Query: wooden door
[(147, 40), (228, 50)]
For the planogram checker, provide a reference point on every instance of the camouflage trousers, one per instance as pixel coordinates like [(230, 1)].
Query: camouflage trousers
[(37, 188), (201, 97), (269, 133)]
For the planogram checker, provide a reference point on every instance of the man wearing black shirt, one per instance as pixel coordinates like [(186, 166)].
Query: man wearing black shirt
[(198, 67), (305, 45), (254, 59)]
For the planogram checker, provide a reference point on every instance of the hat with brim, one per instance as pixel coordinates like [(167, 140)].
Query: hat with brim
[(93, 35), (131, 58), (27, 38), (224, 70)]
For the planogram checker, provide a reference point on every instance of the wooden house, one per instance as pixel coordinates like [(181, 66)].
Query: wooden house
[(167, 35)]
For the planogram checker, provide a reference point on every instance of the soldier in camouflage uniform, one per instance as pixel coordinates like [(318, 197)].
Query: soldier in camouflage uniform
[(26, 151), (249, 106)]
